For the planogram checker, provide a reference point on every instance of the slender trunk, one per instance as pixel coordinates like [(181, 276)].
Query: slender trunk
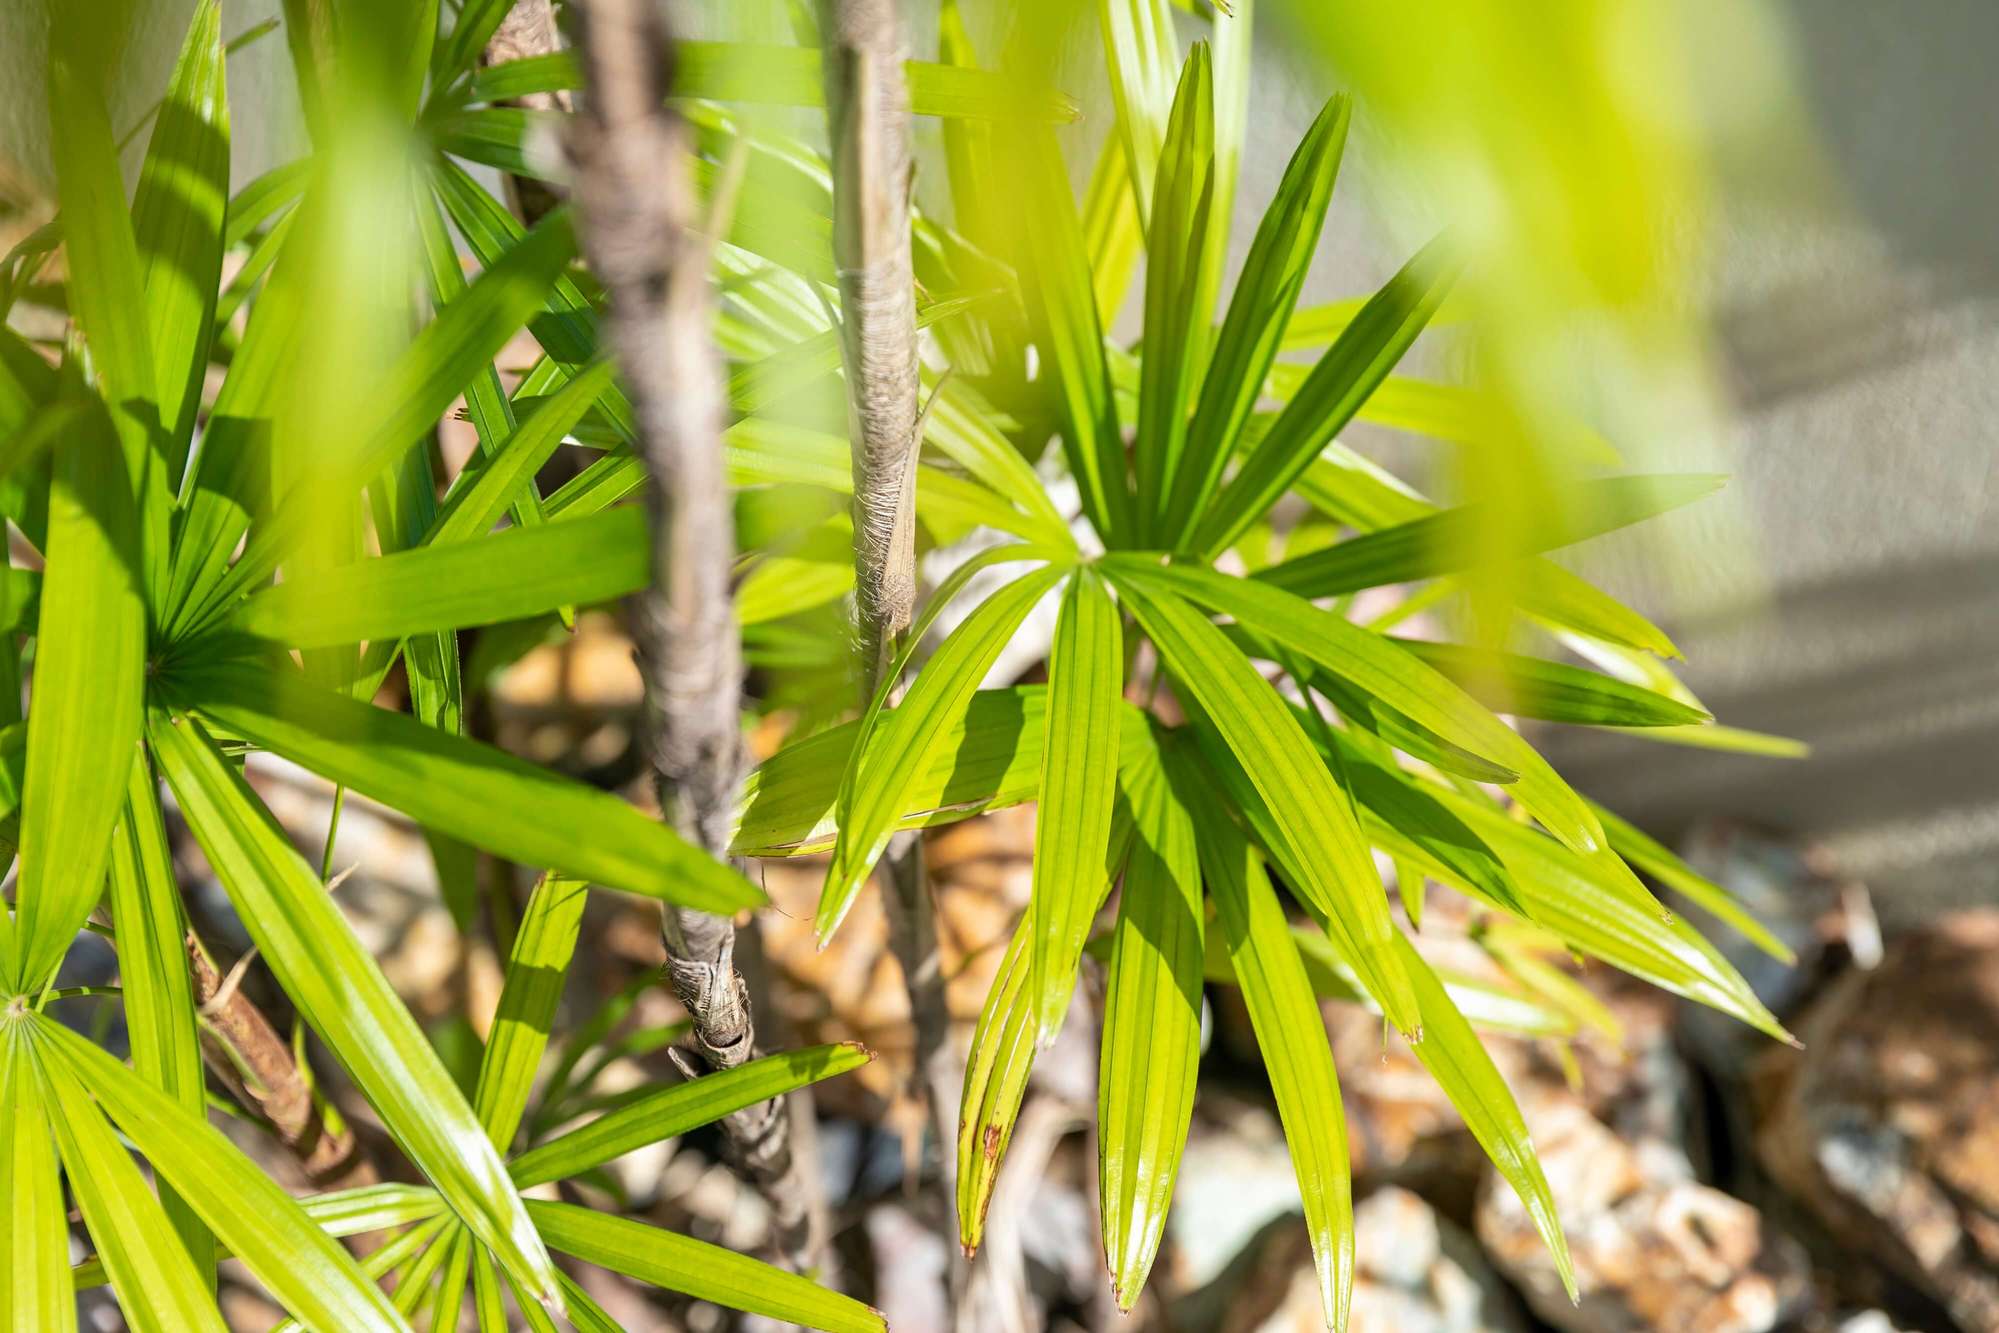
[(635, 195), (867, 100)]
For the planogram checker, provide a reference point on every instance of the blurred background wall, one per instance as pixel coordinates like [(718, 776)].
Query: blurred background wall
[(1847, 594)]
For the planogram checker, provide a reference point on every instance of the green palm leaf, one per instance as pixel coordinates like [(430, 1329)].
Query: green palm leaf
[(1285, 1016), (475, 792), (1311, 817), (341, 992), (1079, 760)]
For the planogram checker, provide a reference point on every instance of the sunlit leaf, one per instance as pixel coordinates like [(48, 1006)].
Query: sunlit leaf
[(1284, 1014), (470, 790), (1078, 784), (90, 664), (1310, 814), (1152, 1030), (1343, 378), (341, 992), (698, 1269)]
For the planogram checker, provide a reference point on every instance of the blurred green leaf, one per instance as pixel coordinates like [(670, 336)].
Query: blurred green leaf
[(177, 214), (485, 580), (787, 76), (1141, 52), (89, 675), (106, 285), (437, 365), (536, 969)]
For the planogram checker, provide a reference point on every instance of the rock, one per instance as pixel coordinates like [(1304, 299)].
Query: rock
[(1413, 1273), (1886, 1126), (1654, 1248)]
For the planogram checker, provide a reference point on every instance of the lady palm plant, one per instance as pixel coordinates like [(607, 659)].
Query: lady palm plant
[(1276, 743), (163, 651), (208, 588)]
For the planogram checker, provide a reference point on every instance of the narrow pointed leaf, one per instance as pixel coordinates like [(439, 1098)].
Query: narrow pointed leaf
[(1449, 542), (1457, 1059), (470, 790), (1078, 785), (1383, 670), (1176, 324), (152, 973), (35, 1294), (1312, 817), (341, 992), (1152, 1029), (939, 696), (89, 674), (1553, 691), (1062, 311), (1265, 294), (1655, 859), (989, 759), (177, 214), (664, 1113), (1292, 1038), (539, 964), (159, 1289), (1002, 1057), (350, 1212), (486, 401), (1598, 906), (486, 580), (490, 485), (1140, 52), (698, 1269), (1341, 381)]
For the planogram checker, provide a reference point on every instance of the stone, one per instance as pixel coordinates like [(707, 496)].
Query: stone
[(1413, 1273), (1654, 1248), (1886, 1126)]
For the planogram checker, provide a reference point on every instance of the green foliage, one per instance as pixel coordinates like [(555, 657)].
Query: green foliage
[(1220, 750), (1311, 741)]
